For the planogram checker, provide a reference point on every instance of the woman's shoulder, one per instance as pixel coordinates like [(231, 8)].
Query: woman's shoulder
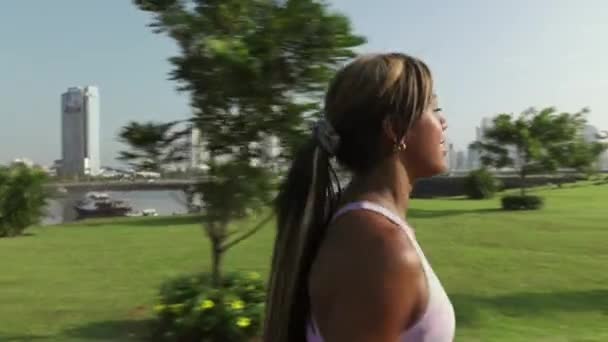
[(365, 237), (368, 257), (365, 250)]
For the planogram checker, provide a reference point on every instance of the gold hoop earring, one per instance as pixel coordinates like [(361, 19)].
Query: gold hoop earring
[(402, 146)]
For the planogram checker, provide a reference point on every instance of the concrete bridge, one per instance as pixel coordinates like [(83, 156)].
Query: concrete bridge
[(124, 185), (431, 187)]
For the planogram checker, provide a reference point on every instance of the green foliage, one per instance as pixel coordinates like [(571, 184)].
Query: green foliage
[(191, 309), (153, 145), (537, 141), (519, 202), (235, 190), (481, 184), (255, 70), (580, 155), (22, 198), (534, 135), (600, 180)]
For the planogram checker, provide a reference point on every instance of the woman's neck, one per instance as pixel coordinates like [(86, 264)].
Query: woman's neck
[(388, 185)]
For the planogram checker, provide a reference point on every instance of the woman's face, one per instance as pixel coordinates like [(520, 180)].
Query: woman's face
[(426, 151)]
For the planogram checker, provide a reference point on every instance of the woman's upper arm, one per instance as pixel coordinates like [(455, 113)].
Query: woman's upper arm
[(379, 291)]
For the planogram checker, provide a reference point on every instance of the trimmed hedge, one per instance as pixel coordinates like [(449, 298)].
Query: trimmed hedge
[(519, 202)]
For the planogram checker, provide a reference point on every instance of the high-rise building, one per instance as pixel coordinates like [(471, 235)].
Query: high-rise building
[(198, 154), (451, 157), (80, 132), (603, 163), (590, 133), (473, 159), (460, 160), (474, 156)]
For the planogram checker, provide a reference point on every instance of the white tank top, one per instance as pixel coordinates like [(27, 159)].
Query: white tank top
[(437, 323)]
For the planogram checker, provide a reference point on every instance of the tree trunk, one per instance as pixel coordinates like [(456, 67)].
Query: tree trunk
[(217, 237), (190, 192), (216, 263), (522, 181)]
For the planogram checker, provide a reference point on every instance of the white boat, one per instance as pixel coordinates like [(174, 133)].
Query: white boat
[(145, 212), (97, 196), (101, 205), (149, 212)]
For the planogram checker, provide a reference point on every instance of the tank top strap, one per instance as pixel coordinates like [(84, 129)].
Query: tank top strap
[(366, 205), (391, 216)]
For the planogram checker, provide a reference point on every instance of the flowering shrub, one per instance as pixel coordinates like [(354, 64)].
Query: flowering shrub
[(190, 309)]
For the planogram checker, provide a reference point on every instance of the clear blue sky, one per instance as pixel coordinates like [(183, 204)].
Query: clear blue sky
[(487, 57)]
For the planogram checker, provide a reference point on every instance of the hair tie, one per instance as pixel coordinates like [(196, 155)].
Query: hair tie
[(326, 136)]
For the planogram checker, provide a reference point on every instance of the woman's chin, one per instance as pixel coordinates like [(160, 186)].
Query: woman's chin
[(434, 170)]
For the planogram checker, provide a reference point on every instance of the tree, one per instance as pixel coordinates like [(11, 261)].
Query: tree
[(23, 198), (254, 69), (153, 145), (481, 184), (537, 141), (580, 155)]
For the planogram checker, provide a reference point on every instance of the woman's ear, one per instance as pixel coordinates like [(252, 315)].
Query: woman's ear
[(388, 127)]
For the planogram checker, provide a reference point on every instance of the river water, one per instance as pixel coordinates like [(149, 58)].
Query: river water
[(166, 202)]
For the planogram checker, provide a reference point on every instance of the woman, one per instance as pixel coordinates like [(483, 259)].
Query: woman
[(346, 266)]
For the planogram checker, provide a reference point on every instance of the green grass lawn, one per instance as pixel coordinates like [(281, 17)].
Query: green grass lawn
[(525, 276)]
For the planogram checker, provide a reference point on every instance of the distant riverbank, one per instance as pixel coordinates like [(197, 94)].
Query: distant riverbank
[(165, 202)]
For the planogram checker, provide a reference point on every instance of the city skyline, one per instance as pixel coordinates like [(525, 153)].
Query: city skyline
[(78, 157), (521, 58)]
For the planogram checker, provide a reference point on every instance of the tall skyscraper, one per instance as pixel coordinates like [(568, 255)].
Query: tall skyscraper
[(451, 157), (198, 155), (460, 160), (473, 159), (80, 132), (591, 134)]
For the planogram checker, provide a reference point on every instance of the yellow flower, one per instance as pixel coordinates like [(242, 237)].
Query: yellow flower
[(237, 305), (206, 304), (254, 276), (159, 308), (243, 322), (176, 308)]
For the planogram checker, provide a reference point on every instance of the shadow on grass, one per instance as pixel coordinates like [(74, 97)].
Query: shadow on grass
[(20, 236), (131, 330), (526, 304), (25, 338), (163, 221), (426, 213)]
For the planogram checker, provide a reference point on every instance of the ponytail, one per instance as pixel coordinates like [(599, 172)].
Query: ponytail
[(304, 206)]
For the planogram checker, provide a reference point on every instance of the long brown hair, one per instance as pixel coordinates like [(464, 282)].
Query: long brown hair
[(361, 97)]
